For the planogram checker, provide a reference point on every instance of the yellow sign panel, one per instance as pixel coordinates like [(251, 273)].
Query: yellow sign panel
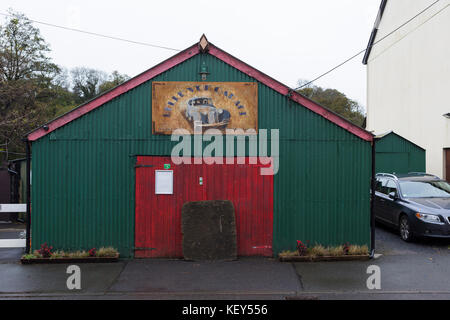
[(205, 105)]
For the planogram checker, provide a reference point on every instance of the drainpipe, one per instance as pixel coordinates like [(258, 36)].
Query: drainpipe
[(372, 200), (28, 244)]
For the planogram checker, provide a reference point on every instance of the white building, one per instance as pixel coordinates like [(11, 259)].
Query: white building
[(408, 76)]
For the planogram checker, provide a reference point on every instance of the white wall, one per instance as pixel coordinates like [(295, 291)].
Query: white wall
[(408, 77)]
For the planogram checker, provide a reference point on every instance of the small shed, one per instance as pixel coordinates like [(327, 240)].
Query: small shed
[(103, 174), (395, 154)]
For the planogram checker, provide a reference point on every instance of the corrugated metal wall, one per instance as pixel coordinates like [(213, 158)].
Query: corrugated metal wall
[(83, 173), (396, 154)]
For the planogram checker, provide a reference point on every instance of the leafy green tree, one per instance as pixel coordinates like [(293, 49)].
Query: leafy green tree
[(34, 90), (89, 83), (27, 84), (334, 100), (86, 83), (115, 79)]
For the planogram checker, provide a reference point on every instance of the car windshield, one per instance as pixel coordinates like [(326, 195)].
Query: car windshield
[(425, 189)]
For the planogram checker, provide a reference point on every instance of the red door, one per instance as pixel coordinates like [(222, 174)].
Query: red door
[(158, 216)]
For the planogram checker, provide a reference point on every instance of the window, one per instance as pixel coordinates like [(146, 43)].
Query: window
[(425, 189), (391, 186), (381, 185), (386, 186)]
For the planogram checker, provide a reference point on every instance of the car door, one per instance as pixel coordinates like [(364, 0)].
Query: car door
[(392, 206), (380, 200)]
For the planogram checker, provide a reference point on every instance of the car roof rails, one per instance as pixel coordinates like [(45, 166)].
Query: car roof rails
[(390, 175), (423, 174)]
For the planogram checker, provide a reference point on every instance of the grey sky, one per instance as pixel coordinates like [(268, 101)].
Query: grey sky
[(288, 40)]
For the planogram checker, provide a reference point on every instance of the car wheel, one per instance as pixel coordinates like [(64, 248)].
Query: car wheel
[(405, 229)]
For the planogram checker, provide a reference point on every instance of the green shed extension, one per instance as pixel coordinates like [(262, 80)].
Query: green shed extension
[(395, 154), (86, 164)]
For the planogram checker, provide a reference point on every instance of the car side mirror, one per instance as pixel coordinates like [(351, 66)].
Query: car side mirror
[(393, 195)]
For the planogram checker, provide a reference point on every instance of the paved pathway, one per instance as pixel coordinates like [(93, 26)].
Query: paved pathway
[(408, 271)]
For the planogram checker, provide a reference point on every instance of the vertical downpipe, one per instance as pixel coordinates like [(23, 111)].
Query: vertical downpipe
[(28, 244), (372, 200)]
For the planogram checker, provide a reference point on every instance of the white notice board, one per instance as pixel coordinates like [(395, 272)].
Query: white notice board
[(163, 182)]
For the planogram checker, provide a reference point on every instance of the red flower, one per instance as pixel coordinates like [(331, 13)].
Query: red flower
[(92, 252), (302, 248), (346, 248), (45, 251)]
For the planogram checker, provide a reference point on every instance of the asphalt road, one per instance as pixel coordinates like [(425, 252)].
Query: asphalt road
[(408, 271), (417, 270)]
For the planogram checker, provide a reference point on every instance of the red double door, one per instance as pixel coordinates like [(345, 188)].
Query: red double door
[(158, 216)]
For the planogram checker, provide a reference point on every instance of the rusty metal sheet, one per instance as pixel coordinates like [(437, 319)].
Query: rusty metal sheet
[(207, 105)]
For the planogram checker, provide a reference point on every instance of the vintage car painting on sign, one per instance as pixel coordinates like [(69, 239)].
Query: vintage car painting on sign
[(204, 105)]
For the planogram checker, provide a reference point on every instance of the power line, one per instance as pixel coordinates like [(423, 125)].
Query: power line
[(362, 51), (173, 49), (96, 34)]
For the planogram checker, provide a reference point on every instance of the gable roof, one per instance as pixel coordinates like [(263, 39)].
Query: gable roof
[(383, 135), (181, 57), (374, 31)]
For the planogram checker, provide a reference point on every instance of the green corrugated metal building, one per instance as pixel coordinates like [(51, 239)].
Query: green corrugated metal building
[(395, 154), (83, 191)]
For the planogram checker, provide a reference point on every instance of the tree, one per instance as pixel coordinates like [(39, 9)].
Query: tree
[(334, 100), (26, 80), (86, 83), (115, 79), (34, 90)]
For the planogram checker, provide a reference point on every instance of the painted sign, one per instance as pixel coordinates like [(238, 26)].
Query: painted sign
[(205, 105)]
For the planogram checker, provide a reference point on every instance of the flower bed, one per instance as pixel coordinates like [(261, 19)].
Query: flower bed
[(46, 255), (320, 253)]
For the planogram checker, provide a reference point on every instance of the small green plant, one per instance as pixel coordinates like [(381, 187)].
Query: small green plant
[(302, 248), (45, 251), (288, 253), (92, 252), (29, 256), (78, 254), (37, 254), (336, 251), (346, 248), (58, 254), (107, 252), (355, 250), (318, 251), (321, 251)]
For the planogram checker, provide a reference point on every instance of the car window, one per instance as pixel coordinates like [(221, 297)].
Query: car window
[(379, 184), (385, 185), (391, 186), (425, 189)]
